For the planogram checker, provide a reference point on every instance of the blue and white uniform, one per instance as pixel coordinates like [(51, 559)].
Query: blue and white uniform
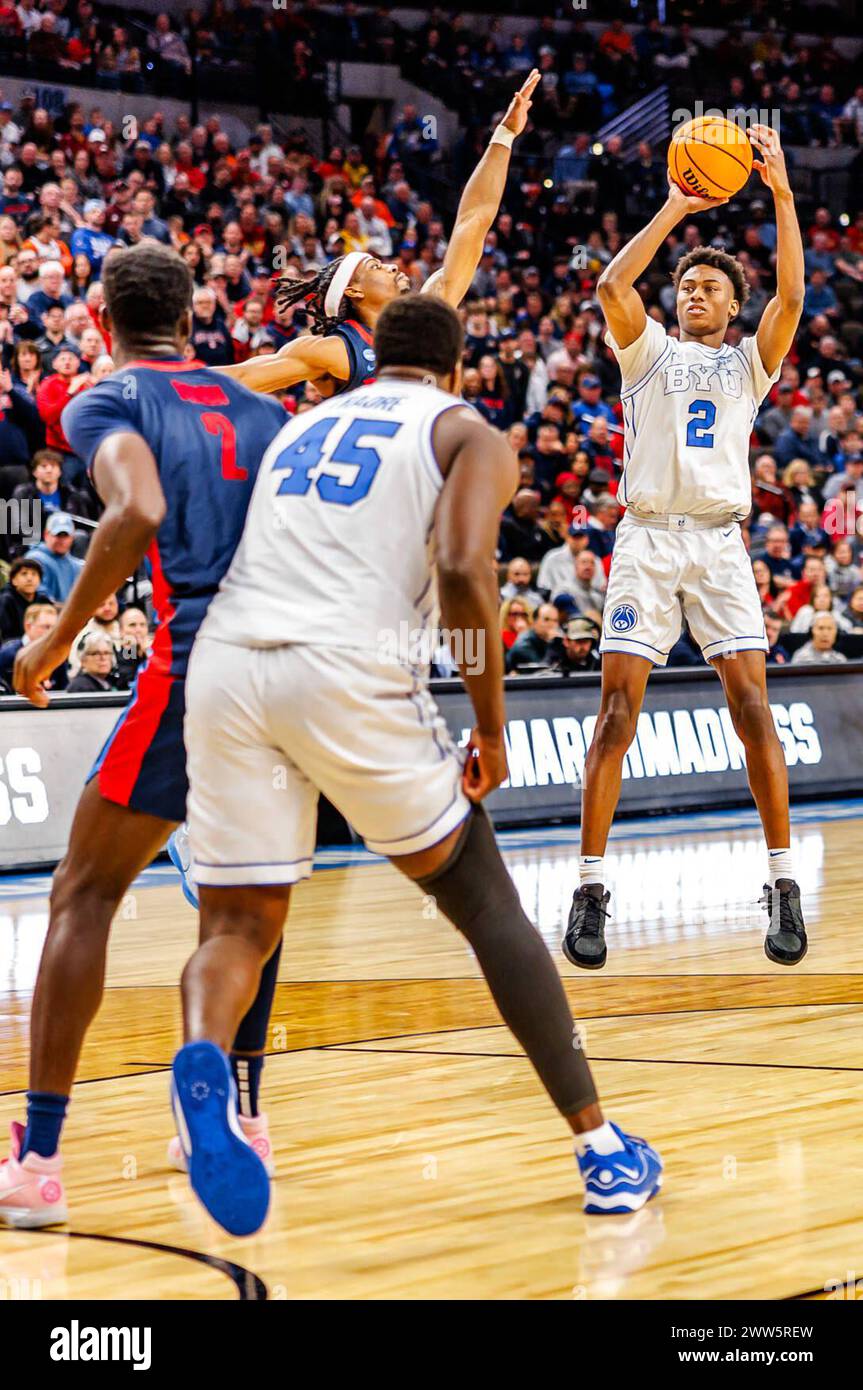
[(688, 412), (309, 671)]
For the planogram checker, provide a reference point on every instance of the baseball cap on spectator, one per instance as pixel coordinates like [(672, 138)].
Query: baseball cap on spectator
[(598, 477), (591, 382), (5, 106), (833, 377), (94, 205), (203, 229), (576, 529), (506, 333), (579, 628), (96, 136), (60, 524), (784, 387), (814, 371), (565, 605)]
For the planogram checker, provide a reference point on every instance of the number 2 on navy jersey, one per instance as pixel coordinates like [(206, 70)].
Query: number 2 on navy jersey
[(307, 453), (702, 418)]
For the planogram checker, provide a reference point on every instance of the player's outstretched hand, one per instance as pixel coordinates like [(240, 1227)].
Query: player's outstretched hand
[(771, 165), (688, 202), (485, 765), (33, 667), (516, 116)]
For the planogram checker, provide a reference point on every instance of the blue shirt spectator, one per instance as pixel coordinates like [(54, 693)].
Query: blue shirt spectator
[(59, 568)]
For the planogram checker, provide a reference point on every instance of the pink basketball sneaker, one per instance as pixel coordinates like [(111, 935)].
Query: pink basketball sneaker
[(257, 1131), (31, 1190)]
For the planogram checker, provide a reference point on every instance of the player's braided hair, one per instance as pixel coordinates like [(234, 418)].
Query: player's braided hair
[(718, 260), (312, 293)]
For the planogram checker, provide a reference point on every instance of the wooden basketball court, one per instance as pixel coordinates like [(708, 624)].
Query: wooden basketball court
[(417, 1156)]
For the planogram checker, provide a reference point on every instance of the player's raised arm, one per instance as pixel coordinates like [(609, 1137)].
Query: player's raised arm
[(481, 477), (621, 302), (480, 202), (127, 480), (782, 315), (305, 359)]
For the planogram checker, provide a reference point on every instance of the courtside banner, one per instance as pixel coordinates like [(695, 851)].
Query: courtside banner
[(685, 755)]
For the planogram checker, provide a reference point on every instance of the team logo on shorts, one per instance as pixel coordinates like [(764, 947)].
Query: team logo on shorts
[(624, 618)]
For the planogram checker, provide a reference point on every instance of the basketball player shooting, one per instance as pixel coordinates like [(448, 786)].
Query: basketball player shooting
[(688, 407)]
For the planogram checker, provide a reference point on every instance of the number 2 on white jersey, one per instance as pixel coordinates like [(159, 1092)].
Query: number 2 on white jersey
[(702, 418)]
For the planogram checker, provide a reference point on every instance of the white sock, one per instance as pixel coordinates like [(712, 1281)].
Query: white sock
[(591, 868), (778, 865), (602, 1140)]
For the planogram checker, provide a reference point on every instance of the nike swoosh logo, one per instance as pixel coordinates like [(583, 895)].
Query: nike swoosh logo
[(726, 534), (10, 1191)]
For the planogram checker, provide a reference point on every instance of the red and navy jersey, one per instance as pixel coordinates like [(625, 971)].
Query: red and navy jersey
[(208, 435), (361, 355)]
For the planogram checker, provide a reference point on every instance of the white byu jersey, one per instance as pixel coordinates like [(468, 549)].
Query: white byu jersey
[(688, 412), (337, 546)]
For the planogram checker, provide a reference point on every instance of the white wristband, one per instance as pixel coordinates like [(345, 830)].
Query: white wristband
[(502, 136)]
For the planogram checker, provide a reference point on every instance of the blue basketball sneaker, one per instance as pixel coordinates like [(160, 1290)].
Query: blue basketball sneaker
[(181, 857), (226, 1173), (622, 1181)]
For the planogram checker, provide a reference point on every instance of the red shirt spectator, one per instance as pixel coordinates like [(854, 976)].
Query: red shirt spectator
[(55, 393)]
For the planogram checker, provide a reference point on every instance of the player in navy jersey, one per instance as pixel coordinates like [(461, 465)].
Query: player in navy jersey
[(174, 452), (346, 299)]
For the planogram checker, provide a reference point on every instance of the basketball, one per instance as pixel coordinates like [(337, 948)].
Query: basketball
[(710, 157)]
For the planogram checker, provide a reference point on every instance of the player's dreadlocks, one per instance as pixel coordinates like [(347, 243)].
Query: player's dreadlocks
[(312, 293), (718, 260)]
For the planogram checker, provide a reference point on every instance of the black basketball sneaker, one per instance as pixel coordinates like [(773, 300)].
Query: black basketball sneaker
[(584, 940), (785, 942)]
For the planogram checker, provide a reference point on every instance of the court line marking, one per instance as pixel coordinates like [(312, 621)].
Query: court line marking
[(155, 1068), (594, 1057), (542, 837), (250, 1286)]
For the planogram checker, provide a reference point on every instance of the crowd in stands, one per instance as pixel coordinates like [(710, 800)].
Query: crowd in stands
[(76, 185)]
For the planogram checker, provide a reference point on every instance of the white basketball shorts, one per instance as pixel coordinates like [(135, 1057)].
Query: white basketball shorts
[(658, 576), (268, 729)]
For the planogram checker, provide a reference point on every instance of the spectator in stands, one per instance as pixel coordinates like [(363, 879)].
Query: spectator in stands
[(516, 616), (519, 583), (96, 668), (39, 618), (541, 645), (104, 623), (843, 573), (777, 655), (20, 432), (520, 532), (798, 440), (579, 648), (60, 569), (133, 648), (820, 650), (24, 588), (52, 397), (853, 611)]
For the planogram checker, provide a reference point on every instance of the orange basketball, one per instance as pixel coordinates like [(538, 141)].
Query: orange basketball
[(710, 157)]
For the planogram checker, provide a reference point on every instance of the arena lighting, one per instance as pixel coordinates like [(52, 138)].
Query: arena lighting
[(844, 219), (548, 183), (597, 148)]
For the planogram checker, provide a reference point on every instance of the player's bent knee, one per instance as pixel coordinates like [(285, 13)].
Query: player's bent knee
[(256, 914), (615, 728), (752, 719)]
